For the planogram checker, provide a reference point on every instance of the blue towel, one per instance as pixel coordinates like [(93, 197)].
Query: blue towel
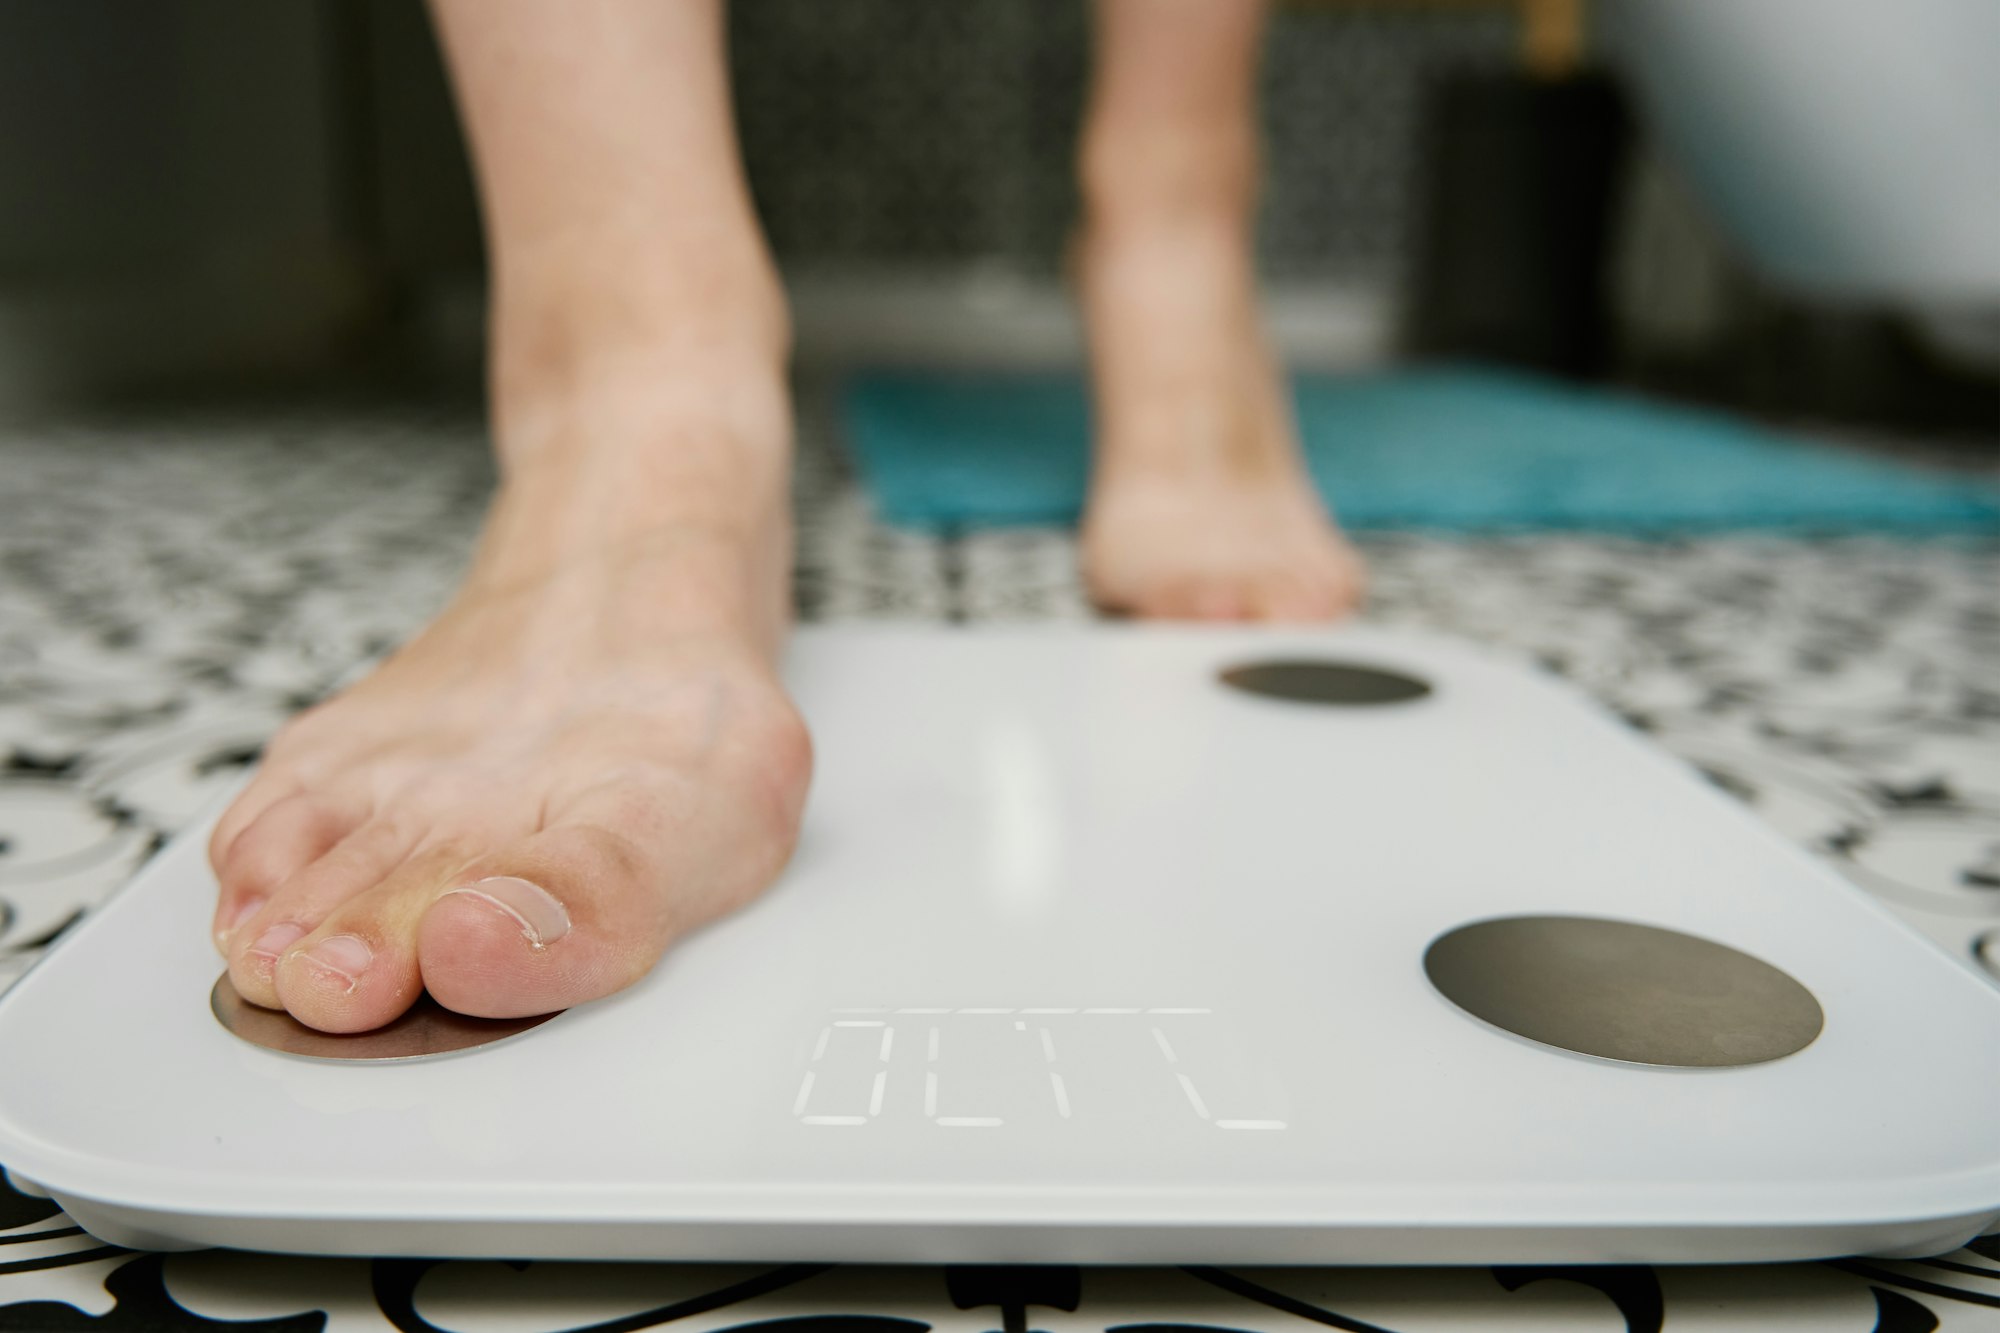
[(1461, 450)]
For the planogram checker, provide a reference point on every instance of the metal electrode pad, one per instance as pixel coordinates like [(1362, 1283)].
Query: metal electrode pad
[(426, 1028), (1623, 991), (1316, 682)]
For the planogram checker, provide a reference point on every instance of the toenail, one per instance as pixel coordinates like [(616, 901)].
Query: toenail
[(541, 918), (247, 909), (346, 955), (278, 938)]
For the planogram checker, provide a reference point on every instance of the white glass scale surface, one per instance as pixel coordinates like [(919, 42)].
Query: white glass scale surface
[(1089, 957)]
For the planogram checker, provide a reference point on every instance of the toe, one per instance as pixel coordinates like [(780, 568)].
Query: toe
[(1295, 598), (1219, 599), (569, 915), (1168, 599), (297, 906), (349, 976), (268, 788), (286, 838), (358, 968)]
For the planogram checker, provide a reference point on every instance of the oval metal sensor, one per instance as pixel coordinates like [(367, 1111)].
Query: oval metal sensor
[(1623, 991), (1346, 684), (427, 1028)]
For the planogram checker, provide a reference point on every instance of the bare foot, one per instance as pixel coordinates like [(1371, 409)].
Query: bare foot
[(1200, 505), (586, 755)]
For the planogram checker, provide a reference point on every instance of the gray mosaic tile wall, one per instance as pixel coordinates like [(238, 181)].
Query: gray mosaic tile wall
[(892, 131)]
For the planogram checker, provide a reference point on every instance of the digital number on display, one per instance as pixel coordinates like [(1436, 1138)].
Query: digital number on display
[(980, 1068)]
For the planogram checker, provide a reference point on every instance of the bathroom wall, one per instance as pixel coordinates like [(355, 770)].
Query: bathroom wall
[(266, 179), (197, 189), (912, 164), (171, 199)]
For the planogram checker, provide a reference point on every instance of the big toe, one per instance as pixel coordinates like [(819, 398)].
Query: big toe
[(568, 915)]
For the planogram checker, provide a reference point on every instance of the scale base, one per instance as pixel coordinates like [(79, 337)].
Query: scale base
[(1129, 945)]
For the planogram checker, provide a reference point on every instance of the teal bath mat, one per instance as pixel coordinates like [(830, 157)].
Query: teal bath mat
[(1444, 449)]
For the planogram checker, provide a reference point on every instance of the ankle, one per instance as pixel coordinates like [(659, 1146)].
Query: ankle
[(611, 439), (609, 335), (653, 415), (1158, 175), (654, 412)]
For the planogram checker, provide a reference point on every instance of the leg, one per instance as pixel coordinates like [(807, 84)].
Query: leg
[(1200, 506), (588, 752)]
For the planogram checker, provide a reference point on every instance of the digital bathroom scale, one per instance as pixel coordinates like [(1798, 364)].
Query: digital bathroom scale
[(1104, 944)]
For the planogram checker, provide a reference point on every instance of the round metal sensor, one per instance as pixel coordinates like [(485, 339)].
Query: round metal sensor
[(1347, 684), (426, 1029), (1623, 991)]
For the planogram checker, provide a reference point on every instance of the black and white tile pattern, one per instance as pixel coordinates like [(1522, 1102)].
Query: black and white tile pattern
[(172, 587)]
